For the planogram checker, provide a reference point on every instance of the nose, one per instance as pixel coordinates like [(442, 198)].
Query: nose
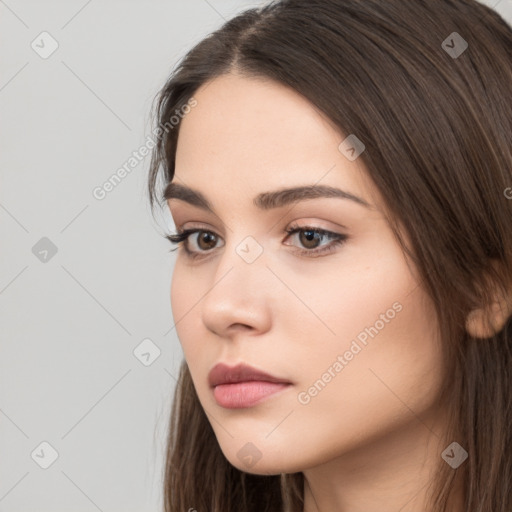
[(240, 293)]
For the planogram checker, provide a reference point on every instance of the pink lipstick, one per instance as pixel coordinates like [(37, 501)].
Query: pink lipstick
[(242, 386)]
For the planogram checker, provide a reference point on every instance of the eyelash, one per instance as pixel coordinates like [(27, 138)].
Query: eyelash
[(338, 239)]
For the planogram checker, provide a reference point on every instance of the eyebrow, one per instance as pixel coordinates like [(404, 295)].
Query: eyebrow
[(264, 200)]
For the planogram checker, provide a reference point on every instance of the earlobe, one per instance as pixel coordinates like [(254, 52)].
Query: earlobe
[(483, 323)]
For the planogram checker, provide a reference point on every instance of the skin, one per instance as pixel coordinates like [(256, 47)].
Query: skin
[(370, 439)]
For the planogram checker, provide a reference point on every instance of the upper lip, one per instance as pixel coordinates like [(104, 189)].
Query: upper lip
[(224, 374)]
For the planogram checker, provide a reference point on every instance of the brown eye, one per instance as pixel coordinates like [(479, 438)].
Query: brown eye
[(310, 238), (208, 239), (194, 246)]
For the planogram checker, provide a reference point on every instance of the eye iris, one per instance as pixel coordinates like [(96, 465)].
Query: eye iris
[(206, 237), (309, 236)]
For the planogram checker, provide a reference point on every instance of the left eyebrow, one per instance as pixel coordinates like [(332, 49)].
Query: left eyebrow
[(264, 200)]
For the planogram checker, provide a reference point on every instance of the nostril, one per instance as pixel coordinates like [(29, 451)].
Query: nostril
[(241, 327)]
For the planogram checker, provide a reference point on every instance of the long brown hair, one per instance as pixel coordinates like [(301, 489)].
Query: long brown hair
[(436, 120)]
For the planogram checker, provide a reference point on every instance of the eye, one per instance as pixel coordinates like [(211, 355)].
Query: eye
[(205, 242), (309, 238)]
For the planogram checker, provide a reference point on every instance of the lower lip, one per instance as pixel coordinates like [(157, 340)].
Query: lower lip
[(245, 394)]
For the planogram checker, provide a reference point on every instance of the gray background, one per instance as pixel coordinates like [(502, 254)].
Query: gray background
[(70, 321)]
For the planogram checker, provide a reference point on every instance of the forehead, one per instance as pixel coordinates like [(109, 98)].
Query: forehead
[(242, 117), (248, 134)]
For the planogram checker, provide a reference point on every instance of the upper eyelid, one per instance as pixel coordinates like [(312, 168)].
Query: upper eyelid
[(294, 227), (314, 224)]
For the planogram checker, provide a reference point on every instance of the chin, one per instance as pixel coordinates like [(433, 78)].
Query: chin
[(258, 460)]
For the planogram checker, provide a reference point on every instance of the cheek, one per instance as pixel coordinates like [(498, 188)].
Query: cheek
[(386, 334), (344, 300), (184, 301), (184, 306), (379, 381)]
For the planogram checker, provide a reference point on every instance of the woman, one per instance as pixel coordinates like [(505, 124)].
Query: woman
[(338, 179)]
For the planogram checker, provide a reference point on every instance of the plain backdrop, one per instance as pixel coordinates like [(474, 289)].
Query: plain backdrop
[(89, 355)]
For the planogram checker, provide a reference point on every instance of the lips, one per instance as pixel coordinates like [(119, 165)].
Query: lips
[(242, 386), (224, 374)]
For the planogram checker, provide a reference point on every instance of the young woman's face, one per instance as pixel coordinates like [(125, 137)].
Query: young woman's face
[(347, 325)]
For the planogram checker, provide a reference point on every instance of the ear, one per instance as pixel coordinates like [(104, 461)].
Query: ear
[(485, 322)]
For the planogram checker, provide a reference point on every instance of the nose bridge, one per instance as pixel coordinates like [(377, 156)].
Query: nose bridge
[(239, 291), (242, 263)]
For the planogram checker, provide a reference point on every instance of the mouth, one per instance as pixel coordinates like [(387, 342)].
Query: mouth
[(242, 386)]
